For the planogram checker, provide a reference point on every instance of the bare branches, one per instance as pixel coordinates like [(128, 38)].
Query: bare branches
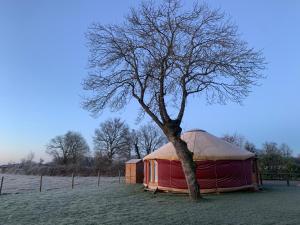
[(68, 148), (162, 54), (112, 139), (147, 139)]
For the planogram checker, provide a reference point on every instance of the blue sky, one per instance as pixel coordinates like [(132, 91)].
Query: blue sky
[(43, 59)]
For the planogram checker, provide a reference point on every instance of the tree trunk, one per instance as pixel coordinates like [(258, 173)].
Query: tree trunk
[(188, 166), (137, 151)]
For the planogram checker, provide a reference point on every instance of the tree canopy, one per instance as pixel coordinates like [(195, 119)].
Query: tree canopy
[(162, 54), (68, 148), (112, 139)]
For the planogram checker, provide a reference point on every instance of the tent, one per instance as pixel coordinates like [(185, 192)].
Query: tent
[(221, 166)]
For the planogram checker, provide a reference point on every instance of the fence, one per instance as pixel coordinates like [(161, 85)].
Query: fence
[(21, 183), (10, 183), (62, 170), (281, 177)]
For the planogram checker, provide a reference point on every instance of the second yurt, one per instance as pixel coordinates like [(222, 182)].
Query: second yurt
[(221, 166)]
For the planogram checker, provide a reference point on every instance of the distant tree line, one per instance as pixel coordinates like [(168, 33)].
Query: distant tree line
[(113, 144), (274, 160)]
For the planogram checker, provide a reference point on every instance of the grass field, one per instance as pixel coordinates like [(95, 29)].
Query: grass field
[(115, 203)]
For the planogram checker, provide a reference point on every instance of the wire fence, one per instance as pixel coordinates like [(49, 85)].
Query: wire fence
[(289, 178), (281, 176), (15, 184)]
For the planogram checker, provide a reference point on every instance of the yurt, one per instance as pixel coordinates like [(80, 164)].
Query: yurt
[(221, 166)]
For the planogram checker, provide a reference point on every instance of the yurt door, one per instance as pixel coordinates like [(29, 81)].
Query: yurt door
[(150, 171), (155, 172)]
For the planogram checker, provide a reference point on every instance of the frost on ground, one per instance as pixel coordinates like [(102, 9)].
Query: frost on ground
[(115, 203), (21, 183)]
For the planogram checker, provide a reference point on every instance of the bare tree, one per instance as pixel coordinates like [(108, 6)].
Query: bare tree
[(274, 159), (30, 157), (286, 151), (147, 139), (271, 148), (241, 142), (27, 163), (150, 138), (163, 54), (250, 147), (235, 139), (135, 144), (113, 139), (68, 148), (28, 160)]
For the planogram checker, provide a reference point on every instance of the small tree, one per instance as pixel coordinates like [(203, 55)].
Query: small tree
[(276, 159), (27, 163), (135, 144), (160, 56), (285, 150), (29, 158), (149, 139), (251, 147), (68, 148), (241, 142), (235, 139), (112, 139), (288, 161)]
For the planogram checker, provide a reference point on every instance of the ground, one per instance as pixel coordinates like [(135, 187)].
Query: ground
[(114, 203)]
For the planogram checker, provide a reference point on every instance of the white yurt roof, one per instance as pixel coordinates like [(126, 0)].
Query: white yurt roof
[(205, 146)]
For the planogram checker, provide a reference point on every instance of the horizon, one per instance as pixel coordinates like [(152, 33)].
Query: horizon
[(43, 61)]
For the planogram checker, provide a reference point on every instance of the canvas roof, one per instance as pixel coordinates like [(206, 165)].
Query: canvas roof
[(205, 146)]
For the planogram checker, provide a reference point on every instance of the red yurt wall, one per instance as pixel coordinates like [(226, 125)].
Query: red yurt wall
[(210, 174)]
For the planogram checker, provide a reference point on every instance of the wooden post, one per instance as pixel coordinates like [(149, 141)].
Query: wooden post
[(256, 171), (99, 178), (72, 180), (261, 180), (2, 179), (41, 183), (119, 176)]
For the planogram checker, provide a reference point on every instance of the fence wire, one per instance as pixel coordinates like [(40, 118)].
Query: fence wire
[(14, 184)]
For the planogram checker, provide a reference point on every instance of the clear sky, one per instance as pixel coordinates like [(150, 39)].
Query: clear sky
[(43, 59)]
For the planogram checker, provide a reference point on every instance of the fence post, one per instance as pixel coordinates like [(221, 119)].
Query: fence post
[(98, 178), (41, 183), (261, 180), (2, 179), (72, 180), (288, 180), (119, 176)]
